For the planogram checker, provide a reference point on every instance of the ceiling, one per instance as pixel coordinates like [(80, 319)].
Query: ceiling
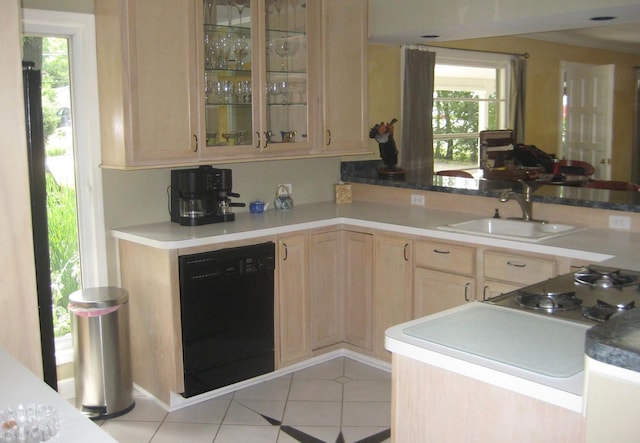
[(580, 23), (619, 37)]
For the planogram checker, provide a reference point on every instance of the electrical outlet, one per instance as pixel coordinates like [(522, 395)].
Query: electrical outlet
[(620, 222), (417, 199), (286, 185)]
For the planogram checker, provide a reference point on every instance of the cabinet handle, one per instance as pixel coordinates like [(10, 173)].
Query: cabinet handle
[(466, 290), (286, 253), (441, 251), (406, 248), (328, 137), (484, 293), (516, 265), (258, 144), (267, 138), (194, 143)]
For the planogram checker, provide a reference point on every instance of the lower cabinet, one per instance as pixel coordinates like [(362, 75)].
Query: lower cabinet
[(444, 277), (436, 291), (325, 296), (294, 306), (505, 271), (341, 273), (358, 289), (392, 284), (326, 278)]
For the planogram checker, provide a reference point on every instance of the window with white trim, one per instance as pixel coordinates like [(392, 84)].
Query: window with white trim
[(470, 95)]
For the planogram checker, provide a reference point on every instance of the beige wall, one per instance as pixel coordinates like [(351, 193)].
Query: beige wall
[(136, 197), (19, 313)]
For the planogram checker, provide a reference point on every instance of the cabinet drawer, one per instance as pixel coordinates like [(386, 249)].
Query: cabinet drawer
[(517, 268), (443, 256)]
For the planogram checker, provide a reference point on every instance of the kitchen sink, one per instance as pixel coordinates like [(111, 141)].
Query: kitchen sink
[(530, 231)]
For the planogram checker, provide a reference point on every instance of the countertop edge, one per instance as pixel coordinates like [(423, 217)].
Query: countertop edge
[(617, 341)]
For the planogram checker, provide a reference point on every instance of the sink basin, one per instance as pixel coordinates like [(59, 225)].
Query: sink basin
[(521, 230)]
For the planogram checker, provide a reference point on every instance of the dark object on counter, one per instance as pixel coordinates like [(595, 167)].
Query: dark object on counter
[(383, 134), (200, 196), (496, 214), (531, 156), (227, 313)]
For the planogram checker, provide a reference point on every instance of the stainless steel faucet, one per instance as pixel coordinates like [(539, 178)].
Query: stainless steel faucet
[(524, 200)]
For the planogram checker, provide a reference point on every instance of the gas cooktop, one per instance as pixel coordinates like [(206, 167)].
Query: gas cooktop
[(592, 294)]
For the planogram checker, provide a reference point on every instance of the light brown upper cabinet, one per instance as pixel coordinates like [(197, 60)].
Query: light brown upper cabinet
[(183, 82)]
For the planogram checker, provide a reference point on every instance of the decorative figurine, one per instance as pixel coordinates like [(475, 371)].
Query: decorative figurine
[(383, 134)]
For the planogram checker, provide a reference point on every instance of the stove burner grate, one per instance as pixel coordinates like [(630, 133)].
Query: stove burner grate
[(602, 311), (548, 301), (604, 277)]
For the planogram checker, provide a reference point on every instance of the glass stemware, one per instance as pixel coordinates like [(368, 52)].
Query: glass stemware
[(241, 51), (208, 12), (294, 6), (229, 2), (286, 47), (240, 5), (278, 4)]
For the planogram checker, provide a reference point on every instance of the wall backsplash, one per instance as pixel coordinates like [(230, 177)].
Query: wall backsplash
[(140, 196)]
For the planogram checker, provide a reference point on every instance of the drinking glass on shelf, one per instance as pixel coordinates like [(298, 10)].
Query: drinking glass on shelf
[(294, 6), (243, 91), (208, 87), (240, 5), (283, 88), (272, 92), (241, 51), (279, 4), (209, 6), (286, 47)]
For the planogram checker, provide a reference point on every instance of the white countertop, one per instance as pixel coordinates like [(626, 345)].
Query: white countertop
[(450, 341), (18, 385), (611, 247)]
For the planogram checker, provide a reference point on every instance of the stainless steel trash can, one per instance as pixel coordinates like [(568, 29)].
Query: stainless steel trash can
[(101, 351)]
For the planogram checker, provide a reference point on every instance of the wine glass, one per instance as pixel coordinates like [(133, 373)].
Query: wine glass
[(208, 17), (240, 5), (229, 2), (273, 89), (278, 5), (283, 88), (294, 6), (241, 51), (286, 47)]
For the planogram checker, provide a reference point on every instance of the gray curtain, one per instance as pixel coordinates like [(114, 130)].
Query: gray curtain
[(517, 98), (417, 106), (635, 151)]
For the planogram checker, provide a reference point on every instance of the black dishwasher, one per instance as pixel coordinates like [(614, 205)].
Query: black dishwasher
[(227, 312)]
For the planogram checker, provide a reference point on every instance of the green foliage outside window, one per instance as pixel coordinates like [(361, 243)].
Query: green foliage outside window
[(63, 251)]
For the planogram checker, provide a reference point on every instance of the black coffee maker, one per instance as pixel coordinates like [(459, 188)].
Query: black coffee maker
[(200, 196)]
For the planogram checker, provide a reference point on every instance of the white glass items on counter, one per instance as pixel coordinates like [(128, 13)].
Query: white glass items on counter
[(29, 424)]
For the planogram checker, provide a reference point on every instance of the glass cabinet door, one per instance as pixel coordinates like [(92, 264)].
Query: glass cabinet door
[(228, 44), (286, 72)]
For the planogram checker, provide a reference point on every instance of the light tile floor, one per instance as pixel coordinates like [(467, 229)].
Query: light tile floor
[(338, 401)]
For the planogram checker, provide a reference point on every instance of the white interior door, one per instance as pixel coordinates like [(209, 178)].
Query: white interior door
[(588, 115)]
